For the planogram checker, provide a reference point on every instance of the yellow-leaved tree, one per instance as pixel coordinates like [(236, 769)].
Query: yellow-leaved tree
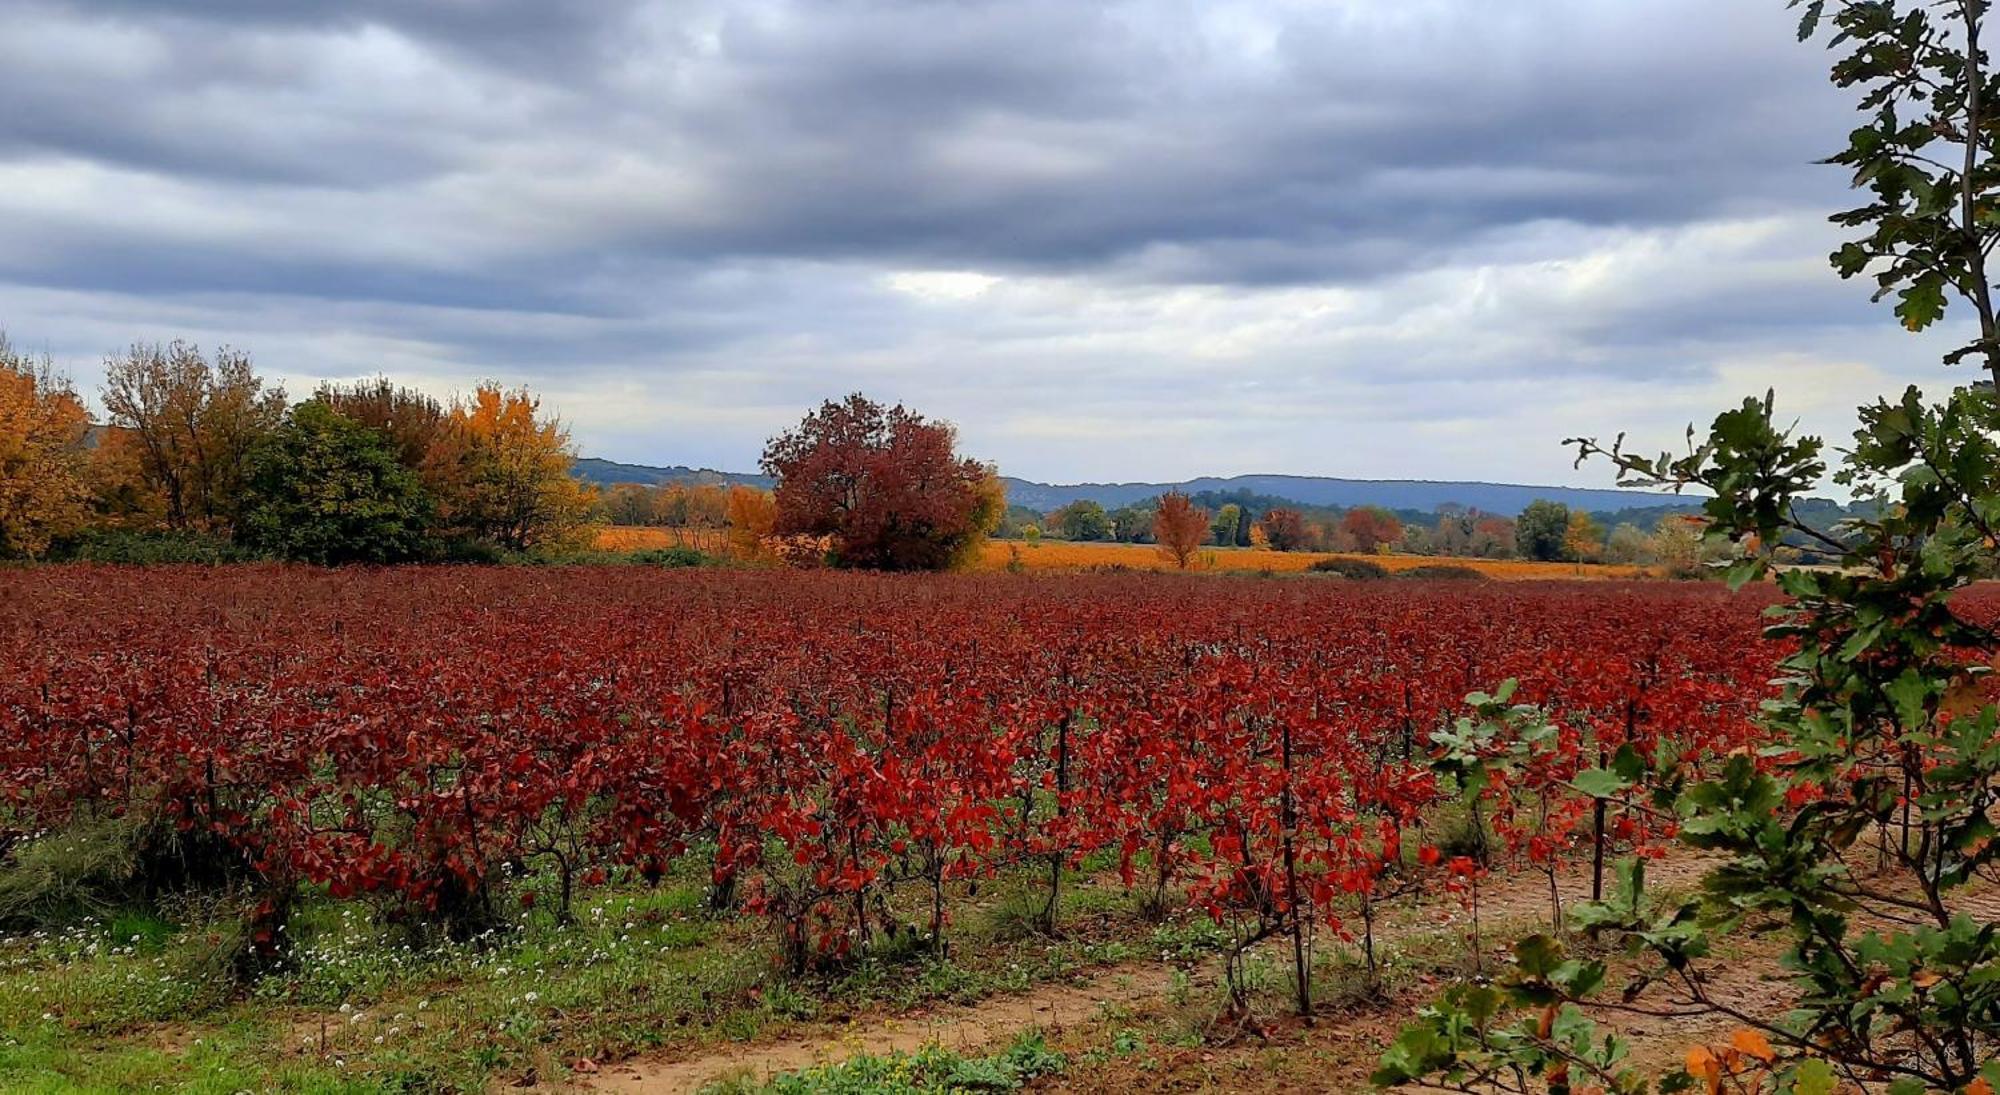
[(752, 514), (1583, 537), (502, 472), (192, 423), (44, 491)]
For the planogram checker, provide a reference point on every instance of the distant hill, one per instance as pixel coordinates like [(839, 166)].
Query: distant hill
[(1397, 494), (1422, 496), (605, 473)]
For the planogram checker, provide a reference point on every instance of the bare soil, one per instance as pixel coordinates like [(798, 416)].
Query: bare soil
[(1053, 1007), (1351, 1041)]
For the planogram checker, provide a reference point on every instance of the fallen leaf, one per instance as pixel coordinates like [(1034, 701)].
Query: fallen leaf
[(1702, 1065), (1752, 1043)]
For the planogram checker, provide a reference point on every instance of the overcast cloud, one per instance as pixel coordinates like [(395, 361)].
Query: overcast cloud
[(1374, 238)]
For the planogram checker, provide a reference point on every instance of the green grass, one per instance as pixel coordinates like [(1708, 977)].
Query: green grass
[(932, 1069), (134, 1000)]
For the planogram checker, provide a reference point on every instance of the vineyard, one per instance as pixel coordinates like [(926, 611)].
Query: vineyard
[(840, 758), (1068, 555), (1063, 555)]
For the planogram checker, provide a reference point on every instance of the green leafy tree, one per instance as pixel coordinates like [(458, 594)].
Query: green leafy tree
[(325, 489), (1883, 748), (1083, 520), (1134, 524), (1924, 155), (1227, 520), (1014, 520), (1541, 530)]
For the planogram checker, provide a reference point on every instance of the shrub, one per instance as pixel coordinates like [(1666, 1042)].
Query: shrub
[(1444, 572), (326, 489), (933, 1068), (153, 548), (671, 558), (465, 549), (1350, 568)]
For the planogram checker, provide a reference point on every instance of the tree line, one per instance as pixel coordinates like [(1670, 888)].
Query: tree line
[(1545, 530), (200, 458), (197, 447), (200, 454)]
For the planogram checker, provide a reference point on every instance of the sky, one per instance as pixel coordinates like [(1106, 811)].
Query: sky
[(1123, 241)]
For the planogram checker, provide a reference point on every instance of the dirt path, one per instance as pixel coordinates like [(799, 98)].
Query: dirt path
[(955, 1027), (1508, 901)]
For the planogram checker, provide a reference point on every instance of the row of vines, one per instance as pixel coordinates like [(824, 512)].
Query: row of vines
[(838, 750)]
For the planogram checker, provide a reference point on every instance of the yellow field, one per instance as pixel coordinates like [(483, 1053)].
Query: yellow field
[(1063, 555), (650, 538), (1060, 555)]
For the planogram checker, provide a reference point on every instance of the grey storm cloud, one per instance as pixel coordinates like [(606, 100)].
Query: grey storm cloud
[(1205, 142), (726, 197)]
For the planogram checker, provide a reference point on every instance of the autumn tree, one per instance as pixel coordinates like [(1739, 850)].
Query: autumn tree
[(1179, 526), (1494, 538), (194, 422), (1583, 537), (414, 424), (1284, 529), (1371, 528), (697, 512), (43, 486), (1678, 543), (883, 487), (121, 493), (752, 515), (1454, 532), (1628, 543), (325, 489), (504, 471), (630, 504), (1540, 531)]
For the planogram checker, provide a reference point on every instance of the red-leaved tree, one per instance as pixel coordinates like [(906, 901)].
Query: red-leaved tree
[(882, 487), (1370, 528), (1285, 529)]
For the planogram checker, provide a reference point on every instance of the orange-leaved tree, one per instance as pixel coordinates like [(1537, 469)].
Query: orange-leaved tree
[(883, 487), (1179, 527), (752, 514), (1583, 537), (44, 492)]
